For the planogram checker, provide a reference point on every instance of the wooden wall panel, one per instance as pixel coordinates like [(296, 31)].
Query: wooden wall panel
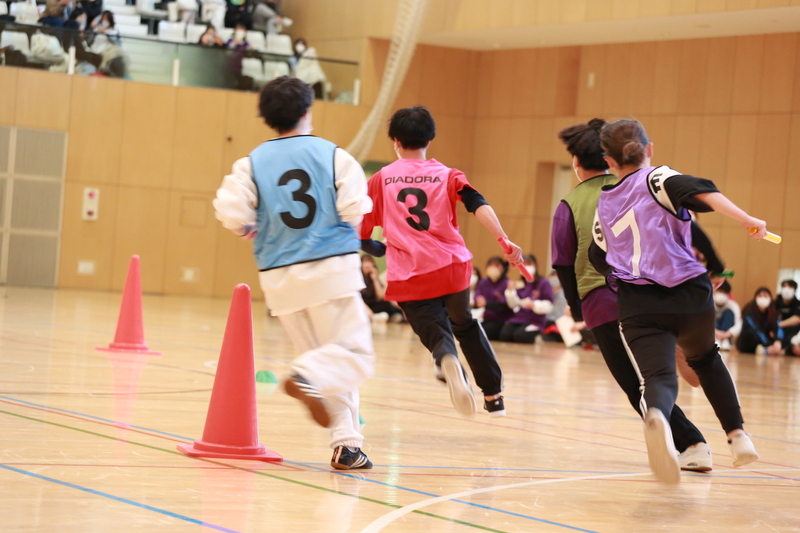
[(199, 141), (616, 93), (796, 97), (771, 164), (525, 79), (566, 98), (244, 130), (233, 264), (148, 135), (687, 139), (791, 216), (667, 77), (142, 228), (691, 89), (544, 91), (8, 88), (790, 255), (43, 100), (777, 74), (453, 143), (740, 166), (85, 240), (719, 75), (590, 99), (501, 102), (732, 248), (191, 243), (443, 78), (342, 122), (747, 73), (713, 150), (95, 130), (641, 73), (661, 130)]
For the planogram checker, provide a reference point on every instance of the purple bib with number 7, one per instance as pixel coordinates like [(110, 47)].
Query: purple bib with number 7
[(646, 242)]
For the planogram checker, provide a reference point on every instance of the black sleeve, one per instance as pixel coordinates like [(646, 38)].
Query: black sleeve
[(701, 241), (472, 199), (566, 275), (682, 190), (373, 247), (597, 256)]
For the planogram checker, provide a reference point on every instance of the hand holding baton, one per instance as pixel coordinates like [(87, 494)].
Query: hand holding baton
[(771, 237), (506, 246)]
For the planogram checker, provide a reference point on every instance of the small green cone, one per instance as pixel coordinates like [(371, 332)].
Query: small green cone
[(361, 420), (265, 376)]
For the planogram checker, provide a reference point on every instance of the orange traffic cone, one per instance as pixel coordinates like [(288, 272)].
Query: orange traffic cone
[(130, 330), (231, 430)]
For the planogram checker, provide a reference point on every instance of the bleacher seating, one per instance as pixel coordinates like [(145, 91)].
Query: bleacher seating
[(194, 32), (279, 44), (256, 40), (3, 8), (119, 7), (173, 32), (139, 30), (17, 39), (225, 34), (128, 20), (275, 69)]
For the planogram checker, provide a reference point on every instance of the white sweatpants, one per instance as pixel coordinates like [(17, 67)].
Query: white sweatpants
[(335, 339)]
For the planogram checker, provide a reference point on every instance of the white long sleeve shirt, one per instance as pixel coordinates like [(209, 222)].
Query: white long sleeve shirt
[(295, 287)]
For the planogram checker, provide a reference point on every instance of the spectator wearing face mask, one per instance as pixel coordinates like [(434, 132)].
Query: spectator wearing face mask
[(728, 322), (788, 307), (761, 331), (307, 68), (490, 296), (531, 301)]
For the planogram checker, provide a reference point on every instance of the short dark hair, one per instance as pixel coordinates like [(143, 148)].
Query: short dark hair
[(413, 127), (583, 141), (283, 102), (790, 282), (725, 287)]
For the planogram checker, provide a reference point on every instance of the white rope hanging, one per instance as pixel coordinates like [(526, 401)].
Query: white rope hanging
[(407, 27)]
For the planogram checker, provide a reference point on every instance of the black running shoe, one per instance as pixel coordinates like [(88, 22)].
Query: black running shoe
[(495, 407), (297, 387), (344, 459)]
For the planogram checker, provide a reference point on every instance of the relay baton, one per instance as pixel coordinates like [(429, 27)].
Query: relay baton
[(771, 237), (506, 246)]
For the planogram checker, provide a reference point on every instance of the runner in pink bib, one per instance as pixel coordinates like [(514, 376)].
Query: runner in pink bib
[(428, 264)]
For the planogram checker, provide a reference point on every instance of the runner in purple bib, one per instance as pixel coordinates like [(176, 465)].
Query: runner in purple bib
[(643, 245)]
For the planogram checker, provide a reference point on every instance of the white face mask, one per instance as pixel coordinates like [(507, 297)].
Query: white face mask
[(300, 48), (720, 298), (763, 302), (787, 293), (531, 269), (473, 280), (494, 273), (239, 35)]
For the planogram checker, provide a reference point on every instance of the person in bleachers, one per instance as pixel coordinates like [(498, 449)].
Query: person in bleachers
[(761, 332), (238, 40), (238, 12), (187, 10), (267, 17), (306, 67), (211, 38), (106, 42), (92, 8), (53, 15)]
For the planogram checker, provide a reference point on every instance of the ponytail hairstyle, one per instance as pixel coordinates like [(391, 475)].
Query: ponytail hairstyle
[(583, 142), (624, 141)]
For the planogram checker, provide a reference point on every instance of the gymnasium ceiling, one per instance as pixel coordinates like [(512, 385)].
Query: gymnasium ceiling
[(691, 26)]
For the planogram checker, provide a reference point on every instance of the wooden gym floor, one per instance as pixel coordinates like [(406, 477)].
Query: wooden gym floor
[(88, 438)]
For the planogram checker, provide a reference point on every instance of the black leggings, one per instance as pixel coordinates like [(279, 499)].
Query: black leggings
[(436, 320), (651, 339), (608, 338), (518, 333)]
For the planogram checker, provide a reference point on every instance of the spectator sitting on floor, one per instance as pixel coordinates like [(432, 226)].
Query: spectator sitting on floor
[(788, 307), (477, 312), (761, 332), (728, 317), (490, 296), (374, 292), (531, 301)]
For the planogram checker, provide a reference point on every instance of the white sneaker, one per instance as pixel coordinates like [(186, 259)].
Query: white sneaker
[(460, 391), (742, 450), (725, 345), (761, 350), (696, 458), (380, 317), (661, 451)]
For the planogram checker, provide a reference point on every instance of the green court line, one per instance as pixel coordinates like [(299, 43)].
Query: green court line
[(273, 476)]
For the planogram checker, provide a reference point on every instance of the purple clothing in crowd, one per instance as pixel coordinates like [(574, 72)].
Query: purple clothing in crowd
[(494, 292), (538, 289), (600, 306)]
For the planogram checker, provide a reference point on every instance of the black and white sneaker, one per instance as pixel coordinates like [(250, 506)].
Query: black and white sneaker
[(460, 391), (297, 387), (496, 407), (346, 459)]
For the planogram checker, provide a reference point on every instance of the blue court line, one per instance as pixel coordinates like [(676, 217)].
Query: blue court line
[(95, 418), (119, 499), (430, 494)]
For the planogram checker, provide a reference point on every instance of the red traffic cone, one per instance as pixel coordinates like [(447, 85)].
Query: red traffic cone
[(231, 430), (130, 330)]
